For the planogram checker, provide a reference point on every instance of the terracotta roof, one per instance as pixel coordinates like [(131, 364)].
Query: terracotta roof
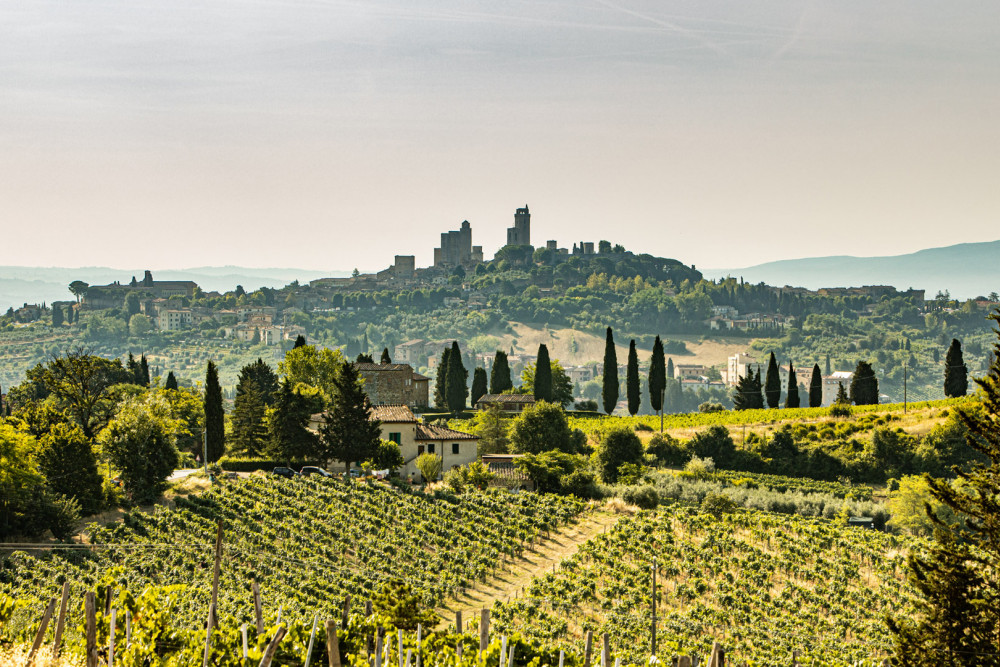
[(506, 398), (365, 366), (432, 432), (393, 414)]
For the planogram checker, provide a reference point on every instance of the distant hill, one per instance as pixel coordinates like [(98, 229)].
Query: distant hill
[(966, 270), (28, 284)]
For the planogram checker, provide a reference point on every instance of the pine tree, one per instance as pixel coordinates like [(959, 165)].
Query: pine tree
[(441, 381), (57, 316), (842, 398), (543, 375), (144, 371), (756, 393), (746, 393), (792, 397), (632, 380), (349, 432), (288, 434), (815, 388), (610, 390), (215, 425), (500, 374), (478, 385), (657, 376), (958, 611), (457, 388), (170, 382), (956, 374), (864, 385), (772, 383), (249, 430), (386, 359)]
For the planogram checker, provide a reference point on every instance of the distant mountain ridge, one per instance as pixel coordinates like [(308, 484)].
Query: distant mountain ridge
[(966, 270), (29, 284)]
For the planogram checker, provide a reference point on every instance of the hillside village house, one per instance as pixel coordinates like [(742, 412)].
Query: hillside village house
[(394, 384), (400, 425)]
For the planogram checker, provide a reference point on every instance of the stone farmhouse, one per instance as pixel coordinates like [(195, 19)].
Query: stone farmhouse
[(513, 403), (394, 384)]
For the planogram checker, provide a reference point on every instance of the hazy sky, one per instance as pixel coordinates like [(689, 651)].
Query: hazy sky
[(335, 134)]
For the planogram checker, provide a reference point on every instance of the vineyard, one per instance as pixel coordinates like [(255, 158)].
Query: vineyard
[(761, 584), (309, 543)]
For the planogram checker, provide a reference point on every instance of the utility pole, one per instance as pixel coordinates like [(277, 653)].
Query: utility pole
[(652, 634), (663, 399)]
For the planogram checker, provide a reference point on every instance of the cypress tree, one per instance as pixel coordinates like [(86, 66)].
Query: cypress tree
[(657, 376), (956, 374), (609, 394), (792, 397), (349, 433), (385, 356), (670, 368), (144, 370), (57, 316), (543, 375), (828, 371), (772, 383), (632, 380), (500, 374), (300, 341), (170, 382), (864, 385), (215, 426), (756, 395), (456, 389), (478, 385), (815, 388), (842, 398), (133, 369), (441, 381)]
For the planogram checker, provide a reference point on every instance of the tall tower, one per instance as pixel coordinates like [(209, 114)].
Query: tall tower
[(520, 233)]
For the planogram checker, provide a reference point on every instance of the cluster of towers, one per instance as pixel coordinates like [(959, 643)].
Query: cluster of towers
[(457, 249)]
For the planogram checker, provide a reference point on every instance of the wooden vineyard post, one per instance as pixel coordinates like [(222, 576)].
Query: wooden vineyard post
[(605, 650), (718, 657), (484, 631), (128, 628), (510, 657), (458, 621), (243, 633), (312, 640), (61, 623), (684, 661), (215, 576), (588, 648), (208, 632), (90, 614), (399, 635), (652, 630), (420, 633), (347, 611), (258, 616), (111, 638), (272, 647), (369, 643), (378, 650), (332, 644), (40, 635)]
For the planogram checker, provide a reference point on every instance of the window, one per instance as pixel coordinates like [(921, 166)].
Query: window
[(454, 448), (430, 448), (396, 437), (420, 449)]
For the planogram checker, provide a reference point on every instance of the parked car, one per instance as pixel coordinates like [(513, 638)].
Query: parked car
[(314, 470), (354, 472), (282, 471)]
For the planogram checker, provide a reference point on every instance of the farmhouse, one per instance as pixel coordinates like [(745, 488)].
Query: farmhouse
[(394, 384), (507, 402)]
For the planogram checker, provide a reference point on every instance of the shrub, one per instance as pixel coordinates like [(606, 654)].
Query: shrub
[(620, 445), (718, 504), (700, 467), (667, 450), (714, 442), (840, 410), (643, 426), (642, 496)]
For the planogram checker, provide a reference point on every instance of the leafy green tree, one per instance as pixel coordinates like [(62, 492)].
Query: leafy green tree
[(666, 450), (187, 408), (815, 388), (478, 385), (386, 456), (542, 427), (792, 397), (288, 434), (170, 382), (491, 426), (429, 466), (20, 479), (500, 374), (956, 374), (319, 368), (139, 443), (632, 380), (864, 385), (542, 388), (82, 384), (78, 288), (139, 325), (131, 305), (609, 393), (256, 389), (441, 381), (716, 443), (772, 383), (349, 433), (657, 376), (550, 470), (619, 446), (457, 388), (215, 426), (908, 506), (66, 458)]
